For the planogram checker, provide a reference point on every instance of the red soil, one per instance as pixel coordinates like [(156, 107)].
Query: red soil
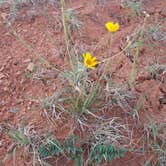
[(20, 96)]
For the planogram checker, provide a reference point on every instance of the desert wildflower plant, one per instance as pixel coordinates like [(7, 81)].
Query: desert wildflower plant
[(112, 27), (90, 61), (87, 98)]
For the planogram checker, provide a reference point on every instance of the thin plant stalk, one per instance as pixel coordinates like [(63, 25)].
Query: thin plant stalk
[(133, 74), (66, 32), (111, 41)]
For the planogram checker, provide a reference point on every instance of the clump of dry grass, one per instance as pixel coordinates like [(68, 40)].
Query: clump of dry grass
[(16, 5), (111, 131)]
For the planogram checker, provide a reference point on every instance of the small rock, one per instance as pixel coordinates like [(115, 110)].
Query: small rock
[(4, 15), (162, 99), (151, 10), (158, 10), (5, 89), (18, 74), (2, 76), (27, 61), (1, 143), (2, 68), (8, 58), (30, 67), (13, 110), (163, 12)]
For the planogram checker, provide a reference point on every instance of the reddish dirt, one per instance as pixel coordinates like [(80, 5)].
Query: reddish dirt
[(20, 96)]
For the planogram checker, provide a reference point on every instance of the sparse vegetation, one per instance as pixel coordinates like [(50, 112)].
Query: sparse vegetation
[(89, 105), (134, 5)]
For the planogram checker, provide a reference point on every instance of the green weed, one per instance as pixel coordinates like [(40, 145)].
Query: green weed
[(19, 137), (156, 69), (73, 22), (133, 51), (156, 137), (135, 6), (97, 152), (101, 152)]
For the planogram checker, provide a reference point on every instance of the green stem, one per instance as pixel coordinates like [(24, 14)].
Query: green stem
[(139, 46), (66, 31), (111, 41)]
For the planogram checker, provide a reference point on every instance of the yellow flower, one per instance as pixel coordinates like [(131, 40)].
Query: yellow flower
[(90, 61), (112, 27)]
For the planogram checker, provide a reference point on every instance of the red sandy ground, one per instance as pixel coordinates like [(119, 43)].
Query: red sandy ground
[(46, 36)]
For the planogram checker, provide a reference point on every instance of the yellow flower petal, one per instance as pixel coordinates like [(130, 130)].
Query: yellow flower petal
[(112, 27), (84, 55), (93, 58), (92, 67), (89, 60), (88, 55)]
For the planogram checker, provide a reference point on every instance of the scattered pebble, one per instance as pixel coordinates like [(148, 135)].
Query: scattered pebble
[(2, 76), (27, 61), (4, 15), (163, 12), (30, 67), (13, 110)]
